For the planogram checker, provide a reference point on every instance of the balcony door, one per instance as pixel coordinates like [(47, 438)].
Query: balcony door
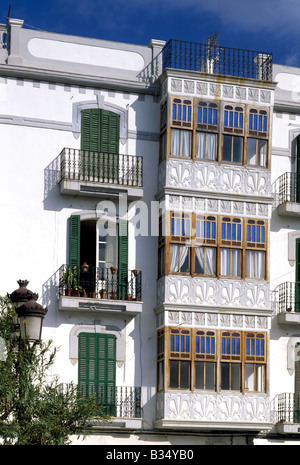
[(100, 145), (97, 368), (101, 245), (297, 385)]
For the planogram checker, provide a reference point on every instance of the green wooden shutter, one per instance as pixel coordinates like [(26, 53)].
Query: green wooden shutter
[(107, 372), (74, 241), (100, 144), (297, 385), (97, 368), (87, 364), (123, 259)]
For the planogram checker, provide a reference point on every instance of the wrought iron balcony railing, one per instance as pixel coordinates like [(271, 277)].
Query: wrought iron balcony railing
[(100, 283), (287, 188), (214, 59), (287, 297), (117, 401), (81, 165), (285, 407)]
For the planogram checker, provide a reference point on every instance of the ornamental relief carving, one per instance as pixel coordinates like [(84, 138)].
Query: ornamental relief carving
[(212, 177), (213, 292), (216, 407)]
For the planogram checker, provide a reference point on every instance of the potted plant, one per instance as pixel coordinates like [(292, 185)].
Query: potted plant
[(113, 269), (68, 281), (135, 272)]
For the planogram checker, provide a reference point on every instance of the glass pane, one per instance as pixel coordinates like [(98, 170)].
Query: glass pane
[(174, 374), (210, 376), (262, 152), (199, 260), (249, 381), (225, 376), (260, 378), (211, 146), (200, 145), (184, 374), (251, 151), (199, 375), (174, 265), (227, 140), (235, 376), (237, 149), (175, 146), (185, 143)]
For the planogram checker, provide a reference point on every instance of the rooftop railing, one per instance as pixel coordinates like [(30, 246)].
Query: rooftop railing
[(99, 167), (285, 408), (287, 297), (214, 59), (100, 283), (286, 188)]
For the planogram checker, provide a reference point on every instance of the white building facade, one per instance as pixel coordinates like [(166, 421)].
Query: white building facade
[(152, 203)]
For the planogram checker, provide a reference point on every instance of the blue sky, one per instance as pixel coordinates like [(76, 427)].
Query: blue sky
[(261, 25)]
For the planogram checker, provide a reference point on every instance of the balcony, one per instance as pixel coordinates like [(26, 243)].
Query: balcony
[(100, 290), (121, 403), (287, 303), (214, 59), (208, 411), (102, 174), (287, 194), (285, 410)]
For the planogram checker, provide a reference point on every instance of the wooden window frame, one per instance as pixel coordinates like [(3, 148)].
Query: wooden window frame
[(180, 355), (254, 245), (229, 347)]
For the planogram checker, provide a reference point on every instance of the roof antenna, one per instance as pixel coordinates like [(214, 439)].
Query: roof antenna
[(8, 14)]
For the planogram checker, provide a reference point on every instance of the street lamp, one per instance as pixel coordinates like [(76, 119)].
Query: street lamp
[(30, 313)]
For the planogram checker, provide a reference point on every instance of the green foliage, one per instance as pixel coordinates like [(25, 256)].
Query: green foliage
[(35, 409)]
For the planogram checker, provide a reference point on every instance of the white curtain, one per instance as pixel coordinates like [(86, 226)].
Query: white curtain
[(208, 142), (255, 264), (185, 143), (175, 146), (262, 152), (200, 145), (209, 267), (174, 265), (225, 262), (211, 146), (235, 262)]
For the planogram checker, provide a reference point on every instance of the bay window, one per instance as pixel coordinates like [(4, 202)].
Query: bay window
[(211, 360), (209, 245)]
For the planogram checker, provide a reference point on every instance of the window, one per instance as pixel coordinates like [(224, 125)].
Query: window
[(230, 361), (209, 245), (258, 122), (99, 144), (160, 359), (205, 254), (211, 360), (256, 249), (205, 360), (180, 353), (101, 245), (206, 146), (181, 141), (233, 119), (180, 242), (207, 116), (255, 362), (230, 256), (182, 113), (97, 368), (257, 152), (232, 149)]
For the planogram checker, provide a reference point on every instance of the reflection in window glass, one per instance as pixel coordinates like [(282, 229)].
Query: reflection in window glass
[(232, 149)]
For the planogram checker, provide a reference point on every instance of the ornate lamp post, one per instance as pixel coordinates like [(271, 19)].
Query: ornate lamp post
[(30, 313)]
